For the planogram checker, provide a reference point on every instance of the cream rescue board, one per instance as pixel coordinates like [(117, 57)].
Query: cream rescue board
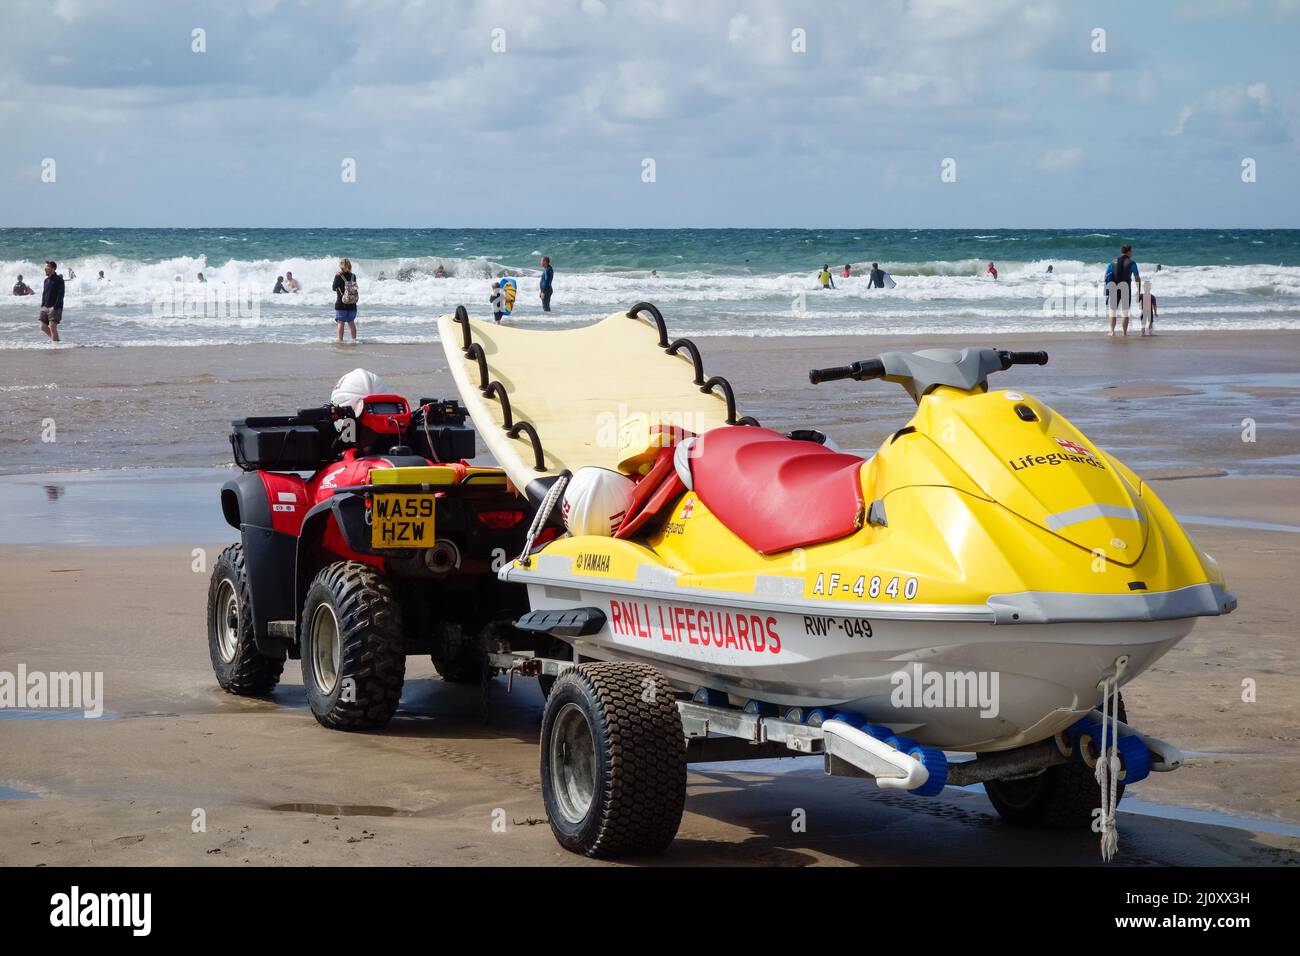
[(577, 387)]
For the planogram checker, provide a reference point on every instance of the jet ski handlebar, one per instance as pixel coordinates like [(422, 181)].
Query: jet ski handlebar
[(858, 371), (1022, 358), (931, 367)]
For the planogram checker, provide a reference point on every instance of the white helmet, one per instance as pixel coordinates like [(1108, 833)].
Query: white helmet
[(353, 388), (596, 501)]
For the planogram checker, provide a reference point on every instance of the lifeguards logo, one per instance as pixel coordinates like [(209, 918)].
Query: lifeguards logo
[(1073, 446), (698, 626), (1071, 453)]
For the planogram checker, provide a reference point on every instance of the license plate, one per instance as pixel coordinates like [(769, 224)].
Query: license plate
[(402, 521)]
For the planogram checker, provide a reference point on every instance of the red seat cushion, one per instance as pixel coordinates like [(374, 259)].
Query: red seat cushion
[(774, 492)]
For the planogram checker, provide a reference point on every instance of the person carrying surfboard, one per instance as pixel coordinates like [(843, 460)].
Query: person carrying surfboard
[(825, 277), (497, 300), (876, 278)]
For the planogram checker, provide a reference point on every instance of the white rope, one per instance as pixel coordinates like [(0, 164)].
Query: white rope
[(543, 512), (1107, 771)]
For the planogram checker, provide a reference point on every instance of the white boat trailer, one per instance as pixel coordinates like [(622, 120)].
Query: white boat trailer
[(716, 734)]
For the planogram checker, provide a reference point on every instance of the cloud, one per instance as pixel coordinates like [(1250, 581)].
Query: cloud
[(739, 122), (1243, 113), (1059, 160)]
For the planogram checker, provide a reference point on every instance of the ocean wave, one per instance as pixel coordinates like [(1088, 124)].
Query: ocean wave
[(411, 283)]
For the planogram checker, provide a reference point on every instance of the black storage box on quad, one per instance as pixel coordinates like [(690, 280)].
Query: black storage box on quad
[(438, 431), (281, 443)]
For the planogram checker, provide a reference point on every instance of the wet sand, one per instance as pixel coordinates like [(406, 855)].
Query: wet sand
[(277, 788), (1173, 401)]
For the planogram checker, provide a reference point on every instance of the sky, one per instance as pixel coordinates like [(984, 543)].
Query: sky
[(631, 113)]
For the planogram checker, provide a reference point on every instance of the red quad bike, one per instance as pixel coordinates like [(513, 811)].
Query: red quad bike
[(390, 548)]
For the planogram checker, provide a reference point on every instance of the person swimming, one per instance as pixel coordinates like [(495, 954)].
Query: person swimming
[(992, 270), (440, 272), (279, 286), (848, 271)]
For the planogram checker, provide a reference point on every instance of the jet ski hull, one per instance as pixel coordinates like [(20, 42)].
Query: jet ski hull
[(954, 684)]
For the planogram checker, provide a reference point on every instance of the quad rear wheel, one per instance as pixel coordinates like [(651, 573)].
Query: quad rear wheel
[(239, 666), (613, 760), (353, 661)]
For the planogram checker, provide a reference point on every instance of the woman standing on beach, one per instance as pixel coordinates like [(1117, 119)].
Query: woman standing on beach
[(345, 299)]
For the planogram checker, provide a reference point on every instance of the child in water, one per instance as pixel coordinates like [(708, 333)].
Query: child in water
[(1148, 309), (825, 277), (497, 300)]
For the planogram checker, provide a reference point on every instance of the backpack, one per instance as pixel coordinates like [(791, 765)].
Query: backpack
[(349, 294)]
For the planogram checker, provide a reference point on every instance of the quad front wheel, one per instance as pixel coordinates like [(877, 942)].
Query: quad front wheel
[(353, 661), (613, 760)]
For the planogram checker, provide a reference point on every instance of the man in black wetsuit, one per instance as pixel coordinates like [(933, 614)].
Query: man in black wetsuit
[(52, 301), (876, 278), (1120, 275)]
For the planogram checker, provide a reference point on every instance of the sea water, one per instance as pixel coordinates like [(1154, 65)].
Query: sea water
[(709, 281)]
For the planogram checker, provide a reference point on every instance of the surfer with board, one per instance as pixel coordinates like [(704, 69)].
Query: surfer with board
[(878, 278)]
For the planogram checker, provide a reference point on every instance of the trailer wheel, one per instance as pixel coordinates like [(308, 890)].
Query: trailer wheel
[(353, 661), (613, 760), (1059, 798), (239, 666)]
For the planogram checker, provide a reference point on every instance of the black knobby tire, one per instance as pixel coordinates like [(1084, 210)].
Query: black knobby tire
[(370, 652), (1061, 797), (461, 670), (239, 666), (638, 760)]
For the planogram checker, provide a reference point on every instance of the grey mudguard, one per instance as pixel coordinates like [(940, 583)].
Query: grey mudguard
[(919, 372)]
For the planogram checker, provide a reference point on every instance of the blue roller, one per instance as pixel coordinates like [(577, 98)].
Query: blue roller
[(713, 698), (760, 708), (1135, 759), (902, 744), (820, 715), (1084, 726), (876, 730), (936, 762), (793, 714)]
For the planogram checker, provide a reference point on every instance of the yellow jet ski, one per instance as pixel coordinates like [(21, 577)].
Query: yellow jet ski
[(984, 583)]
